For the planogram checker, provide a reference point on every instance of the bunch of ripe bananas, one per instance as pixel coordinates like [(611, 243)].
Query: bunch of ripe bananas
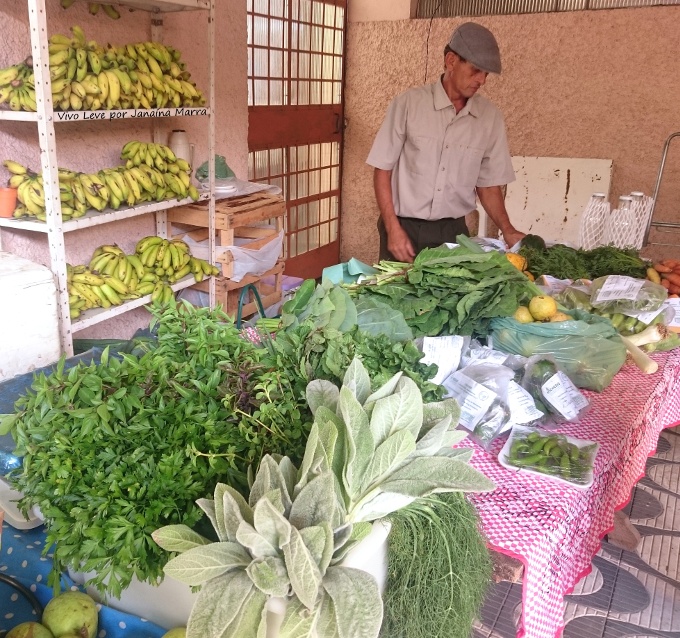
[(112, 277), (155, 176), (87, 76), (94, 7), (17, 88)]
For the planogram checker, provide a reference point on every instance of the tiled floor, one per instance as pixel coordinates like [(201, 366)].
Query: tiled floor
[(627, 594)]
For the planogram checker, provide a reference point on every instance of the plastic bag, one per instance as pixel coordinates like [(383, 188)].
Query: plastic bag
[(562, 458), (552, 390), (481, 389), (617, 293), (222, 170), (588, 349)]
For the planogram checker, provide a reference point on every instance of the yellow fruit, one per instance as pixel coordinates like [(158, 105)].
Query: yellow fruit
[(560, 316), (542, 307), (523, 315), (177, 632), (529, 276), (517, 260)]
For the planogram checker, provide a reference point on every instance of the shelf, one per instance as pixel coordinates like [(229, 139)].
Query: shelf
[(103, 115), (95, 218), (97, 315), (165, 6)]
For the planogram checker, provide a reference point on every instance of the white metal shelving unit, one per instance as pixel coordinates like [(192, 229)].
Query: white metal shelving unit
[(46, 118)]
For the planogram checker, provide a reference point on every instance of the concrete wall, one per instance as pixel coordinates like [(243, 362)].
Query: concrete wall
[(90, 147), (592, 84)]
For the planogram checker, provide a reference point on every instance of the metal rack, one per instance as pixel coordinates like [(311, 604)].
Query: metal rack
[(668, 226), (46, 117)]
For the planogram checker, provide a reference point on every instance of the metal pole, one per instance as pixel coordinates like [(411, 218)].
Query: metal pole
[(211, 147)]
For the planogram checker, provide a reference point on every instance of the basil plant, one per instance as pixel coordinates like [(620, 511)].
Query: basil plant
[(368, 454)]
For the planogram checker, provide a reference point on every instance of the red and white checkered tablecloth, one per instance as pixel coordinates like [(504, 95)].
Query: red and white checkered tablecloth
[(555, 530)]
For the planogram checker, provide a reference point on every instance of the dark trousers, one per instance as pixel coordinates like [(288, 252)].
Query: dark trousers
[(424, 233)]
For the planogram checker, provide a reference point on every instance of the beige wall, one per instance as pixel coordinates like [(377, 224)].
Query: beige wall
[(373, 10), (93, 146), (595, 84)]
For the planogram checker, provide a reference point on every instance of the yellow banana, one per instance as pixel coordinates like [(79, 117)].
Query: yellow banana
[(14, 167), (111, 295), (114, 87), (88, 278), (59, 58), (116, 283), (103, 82), (157, 293), (145, 242), (137, 265), (104, 301), (86, 292)]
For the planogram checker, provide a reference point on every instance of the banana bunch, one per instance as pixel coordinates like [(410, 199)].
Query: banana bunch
[(17, 88), (153, 158), (171, 260), (94, 7), (87, 76)]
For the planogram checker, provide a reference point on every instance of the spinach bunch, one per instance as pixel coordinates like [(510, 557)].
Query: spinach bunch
[(113, 451), (451, 291)]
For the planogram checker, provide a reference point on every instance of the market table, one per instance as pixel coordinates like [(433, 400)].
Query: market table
[(555, 530)]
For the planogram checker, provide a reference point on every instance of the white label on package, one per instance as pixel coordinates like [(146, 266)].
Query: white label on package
[(445, 352), (619, 287), (474, 399), (485, 354), (553, 284), (564, 396), (675, 305), (647, 317), (521, 404)]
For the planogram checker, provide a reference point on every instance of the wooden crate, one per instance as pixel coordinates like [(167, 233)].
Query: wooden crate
[(234, 218), (227, 292)]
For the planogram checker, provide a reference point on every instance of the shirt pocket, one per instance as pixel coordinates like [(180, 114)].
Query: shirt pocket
[(421, 154), (465, 165)]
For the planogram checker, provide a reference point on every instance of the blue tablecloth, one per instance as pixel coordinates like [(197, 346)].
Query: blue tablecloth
[(21, 557)]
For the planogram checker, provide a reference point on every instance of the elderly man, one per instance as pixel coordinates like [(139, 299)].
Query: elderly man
[(439, 145)]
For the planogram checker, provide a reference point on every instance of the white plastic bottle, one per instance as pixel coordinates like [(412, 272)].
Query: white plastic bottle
[(593, 221)]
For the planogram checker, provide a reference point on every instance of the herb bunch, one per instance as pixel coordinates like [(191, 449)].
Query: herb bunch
[(565, 262), (113, 451)]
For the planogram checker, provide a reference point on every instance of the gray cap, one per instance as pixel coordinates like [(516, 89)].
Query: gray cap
[(477, 45)]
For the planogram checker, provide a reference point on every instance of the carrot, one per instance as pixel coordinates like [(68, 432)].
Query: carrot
[(671, 263), (674, 290), (673, 297), (665, 283), (662, 268), (673, 278)]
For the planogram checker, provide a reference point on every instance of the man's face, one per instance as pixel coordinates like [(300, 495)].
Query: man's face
[(463, 77)]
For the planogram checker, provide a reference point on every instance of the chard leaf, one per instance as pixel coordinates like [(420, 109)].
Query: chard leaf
[(270, 522), (426, 475), (298, 622), (356, 600), (378, 318), (402, 410), (321, 392), (304, 574), (388, 455), (200, 564), (178, 538), (270, 576), (257, 544), (360, 445), (219, 603), (315, 503), (357, 381)]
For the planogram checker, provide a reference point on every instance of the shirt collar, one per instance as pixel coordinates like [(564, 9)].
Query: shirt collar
[(442, 101)]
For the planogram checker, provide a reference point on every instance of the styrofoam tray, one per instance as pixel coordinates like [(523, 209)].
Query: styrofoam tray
[(518, 432)]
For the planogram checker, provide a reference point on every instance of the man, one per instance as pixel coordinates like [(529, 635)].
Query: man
[(438, 145)]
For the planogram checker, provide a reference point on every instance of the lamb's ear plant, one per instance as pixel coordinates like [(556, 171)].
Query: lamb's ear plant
[(368, 455)]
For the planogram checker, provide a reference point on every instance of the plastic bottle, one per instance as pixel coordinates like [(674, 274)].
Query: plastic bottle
[(593, 221), (622, 223)]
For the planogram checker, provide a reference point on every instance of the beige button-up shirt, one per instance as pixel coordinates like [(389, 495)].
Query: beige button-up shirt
[(437, 156)]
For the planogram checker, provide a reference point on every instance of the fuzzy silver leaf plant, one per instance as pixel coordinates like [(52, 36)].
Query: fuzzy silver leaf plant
[(368, 455)]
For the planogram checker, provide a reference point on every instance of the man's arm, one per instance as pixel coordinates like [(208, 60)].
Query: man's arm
[(494, 205), (398, 242)]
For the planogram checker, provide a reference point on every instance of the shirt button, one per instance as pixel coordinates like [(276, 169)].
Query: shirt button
[(443, 168)]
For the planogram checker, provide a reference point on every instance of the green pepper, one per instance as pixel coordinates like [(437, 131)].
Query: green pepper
[(528, 460), (537, 446), (534, 436)]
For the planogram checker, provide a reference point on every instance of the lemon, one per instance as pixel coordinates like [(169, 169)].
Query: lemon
[(542, 307), (561, 316), (523, 315)]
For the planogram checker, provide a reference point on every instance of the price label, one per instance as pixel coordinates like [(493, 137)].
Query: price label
[(564, 396), (674, 305), (521, 404), (619, 287), (474, 399), (445, 352)]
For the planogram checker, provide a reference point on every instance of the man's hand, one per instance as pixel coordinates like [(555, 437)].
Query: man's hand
[(512, 236), (400, 245)]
